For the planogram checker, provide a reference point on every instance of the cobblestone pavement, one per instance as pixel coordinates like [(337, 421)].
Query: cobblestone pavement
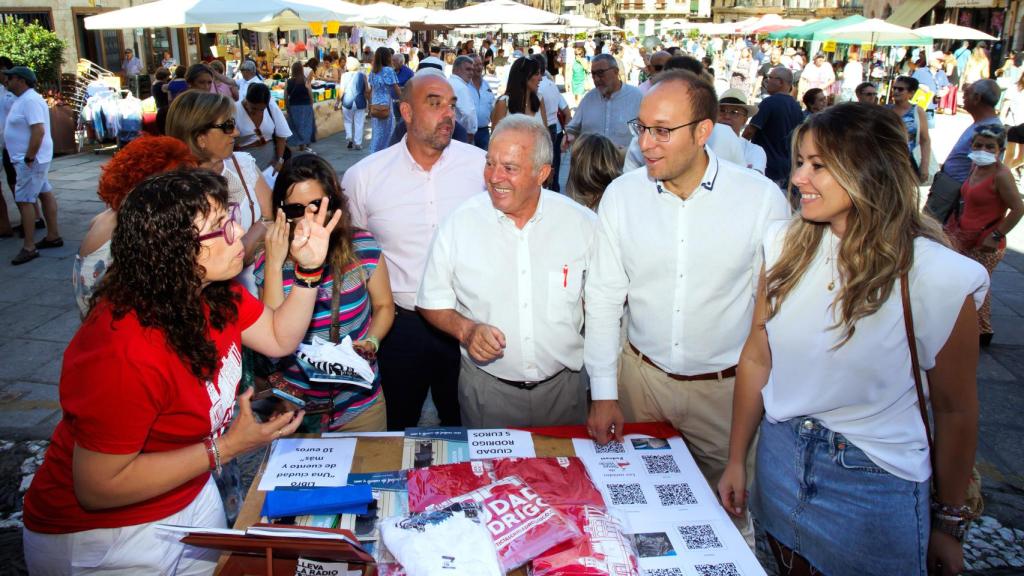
[(39, 317)]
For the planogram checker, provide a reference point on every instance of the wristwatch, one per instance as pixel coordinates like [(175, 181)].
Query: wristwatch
[(955, 527)]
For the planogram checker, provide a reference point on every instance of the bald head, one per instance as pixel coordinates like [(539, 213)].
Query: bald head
[(779, 79), (427, 107)]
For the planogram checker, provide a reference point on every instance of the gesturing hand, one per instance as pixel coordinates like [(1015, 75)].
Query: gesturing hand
[(312, 236), (247, 433), (276, 241)]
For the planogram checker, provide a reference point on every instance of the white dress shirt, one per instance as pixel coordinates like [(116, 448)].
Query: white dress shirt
[(484, 103), (465, 103), (754, 156), (865, 388), (526, 282), (553, 101), (689, 269), (401, 204), (607, 116)]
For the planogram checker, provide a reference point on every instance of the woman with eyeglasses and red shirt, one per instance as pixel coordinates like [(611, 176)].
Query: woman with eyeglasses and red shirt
[(206, 122), (148, 384), (355, 298)]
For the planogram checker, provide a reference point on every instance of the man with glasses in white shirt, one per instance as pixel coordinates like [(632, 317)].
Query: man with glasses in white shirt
[(505, 278), (680, 240)]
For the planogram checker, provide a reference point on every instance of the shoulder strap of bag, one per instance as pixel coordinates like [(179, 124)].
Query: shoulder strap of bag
[(248, 196), (908, 323)]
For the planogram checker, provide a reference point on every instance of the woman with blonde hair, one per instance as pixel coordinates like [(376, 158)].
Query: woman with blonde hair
[(844, 461), (206, 122), (596, 161), (977, 66)]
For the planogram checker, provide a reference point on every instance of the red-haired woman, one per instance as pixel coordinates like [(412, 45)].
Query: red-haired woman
[(142, 158)]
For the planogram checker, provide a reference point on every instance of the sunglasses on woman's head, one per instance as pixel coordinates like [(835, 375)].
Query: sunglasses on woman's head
[(227, 126), (294, 211)]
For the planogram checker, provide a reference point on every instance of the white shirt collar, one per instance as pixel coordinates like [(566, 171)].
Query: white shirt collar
[(538, 214), (707, 182)]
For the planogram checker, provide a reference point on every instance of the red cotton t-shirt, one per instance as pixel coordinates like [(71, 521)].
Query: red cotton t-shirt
[(123, 390)]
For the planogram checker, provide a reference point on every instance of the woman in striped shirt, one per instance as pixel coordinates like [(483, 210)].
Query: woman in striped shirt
[(354, 297)]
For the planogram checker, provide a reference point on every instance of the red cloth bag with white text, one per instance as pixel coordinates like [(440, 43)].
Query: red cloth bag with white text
[(561, 481), (602, 551), (521, 524), (435, 484)]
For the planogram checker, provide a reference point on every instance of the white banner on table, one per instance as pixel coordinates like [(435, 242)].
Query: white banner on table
[(308, 463), (646, 480), (500, 443)]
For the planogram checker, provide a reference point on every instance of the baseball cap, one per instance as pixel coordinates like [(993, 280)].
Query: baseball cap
[(22, 72)]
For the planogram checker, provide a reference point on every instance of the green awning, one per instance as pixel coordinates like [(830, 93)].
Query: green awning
[(801, 32)]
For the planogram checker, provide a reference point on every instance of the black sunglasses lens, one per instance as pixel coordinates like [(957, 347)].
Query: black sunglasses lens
[(293, 211)]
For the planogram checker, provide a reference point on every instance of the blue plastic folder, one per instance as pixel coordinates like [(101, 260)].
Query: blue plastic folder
[(301, 501)]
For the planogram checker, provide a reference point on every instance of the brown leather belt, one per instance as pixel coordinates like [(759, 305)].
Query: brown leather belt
[(727, 373)]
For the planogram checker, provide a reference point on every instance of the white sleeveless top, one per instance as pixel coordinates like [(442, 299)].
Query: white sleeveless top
[(504, 98), (865, 389)]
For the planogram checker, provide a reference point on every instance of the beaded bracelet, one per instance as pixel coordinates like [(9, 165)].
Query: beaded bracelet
[(212, 454), (308, 277)]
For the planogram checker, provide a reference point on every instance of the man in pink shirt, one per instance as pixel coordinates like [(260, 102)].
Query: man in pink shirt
[(401, 194)]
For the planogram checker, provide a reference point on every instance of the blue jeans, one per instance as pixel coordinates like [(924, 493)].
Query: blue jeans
[(823, 498), (482, 138)]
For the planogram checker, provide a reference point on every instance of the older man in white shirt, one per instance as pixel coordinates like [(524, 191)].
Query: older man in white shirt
[(505, 278), (401, 194), (465, 103), (680, 240), (607, 108)]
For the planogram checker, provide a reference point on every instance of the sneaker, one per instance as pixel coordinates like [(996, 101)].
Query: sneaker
[(350, 144), (24, 256), (47, 243), (358, 146)]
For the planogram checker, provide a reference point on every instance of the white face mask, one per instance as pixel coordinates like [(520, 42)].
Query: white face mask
[(982, 158)]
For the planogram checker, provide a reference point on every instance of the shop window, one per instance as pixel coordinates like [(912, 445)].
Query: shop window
[(42, 17)]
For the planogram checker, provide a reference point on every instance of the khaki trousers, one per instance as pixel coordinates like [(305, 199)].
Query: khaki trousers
[(701, 410)]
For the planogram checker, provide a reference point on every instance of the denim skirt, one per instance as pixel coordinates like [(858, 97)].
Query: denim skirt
[(822, 497)]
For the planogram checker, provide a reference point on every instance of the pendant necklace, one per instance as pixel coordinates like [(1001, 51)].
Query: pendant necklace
[(830, 261)]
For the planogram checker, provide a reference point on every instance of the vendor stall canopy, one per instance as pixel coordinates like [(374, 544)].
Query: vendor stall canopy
[(226, 15)]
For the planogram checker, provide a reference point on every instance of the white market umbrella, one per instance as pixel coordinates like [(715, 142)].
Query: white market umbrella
[(680, 25), (501, 12), (949, 31), (870, 31), (386, 15), (221, 14)]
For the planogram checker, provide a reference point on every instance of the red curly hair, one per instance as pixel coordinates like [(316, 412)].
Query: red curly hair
[(138, 160)]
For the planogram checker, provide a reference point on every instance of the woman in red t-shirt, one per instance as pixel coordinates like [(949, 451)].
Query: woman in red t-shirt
[(148, 384)]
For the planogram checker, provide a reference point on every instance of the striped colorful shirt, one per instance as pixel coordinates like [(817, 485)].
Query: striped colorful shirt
[(354, 321)]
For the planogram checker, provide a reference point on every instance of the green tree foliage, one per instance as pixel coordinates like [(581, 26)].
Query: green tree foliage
[(33, 46)]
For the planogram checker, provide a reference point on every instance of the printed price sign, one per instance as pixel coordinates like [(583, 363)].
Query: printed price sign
[(828, 46)]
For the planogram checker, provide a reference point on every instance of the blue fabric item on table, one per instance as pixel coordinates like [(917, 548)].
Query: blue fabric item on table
[(302, 501)]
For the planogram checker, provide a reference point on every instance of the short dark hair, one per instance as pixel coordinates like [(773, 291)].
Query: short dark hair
[(700, 93), (683, 62), (6, 63), (195, 71), (257, 93), (810, 96), (860, 87), (911, 82)]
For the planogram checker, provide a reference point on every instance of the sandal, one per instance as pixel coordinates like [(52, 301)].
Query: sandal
[(24, 256), (47, 243)]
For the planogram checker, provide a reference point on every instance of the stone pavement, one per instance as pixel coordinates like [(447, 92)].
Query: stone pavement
[(38, 316)]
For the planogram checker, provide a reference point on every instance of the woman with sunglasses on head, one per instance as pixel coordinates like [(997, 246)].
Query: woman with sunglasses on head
[(355, 298), (206, 122), (856, 293), (915, 121), (520, 95), (148, 384)]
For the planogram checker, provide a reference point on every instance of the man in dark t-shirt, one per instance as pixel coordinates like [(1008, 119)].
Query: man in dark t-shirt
[(771, 128)]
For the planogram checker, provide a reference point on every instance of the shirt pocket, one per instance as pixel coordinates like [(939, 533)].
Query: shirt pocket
[(565, 290)]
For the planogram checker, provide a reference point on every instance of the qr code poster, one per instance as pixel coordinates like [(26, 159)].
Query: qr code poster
[(698, 546)]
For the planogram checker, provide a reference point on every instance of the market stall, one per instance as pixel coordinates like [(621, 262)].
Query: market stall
[(545, 500)]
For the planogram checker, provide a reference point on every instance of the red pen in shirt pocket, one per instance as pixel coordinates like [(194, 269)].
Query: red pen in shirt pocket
[(565, 276)]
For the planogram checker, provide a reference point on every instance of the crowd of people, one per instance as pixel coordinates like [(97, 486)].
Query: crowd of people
[(722, 259)]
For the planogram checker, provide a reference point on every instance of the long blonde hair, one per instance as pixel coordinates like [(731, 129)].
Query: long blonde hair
[(864, 148)]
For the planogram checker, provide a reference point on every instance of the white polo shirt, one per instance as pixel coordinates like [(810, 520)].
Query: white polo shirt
[(689, 269), (28, 110), (402, 204), (526, 282)]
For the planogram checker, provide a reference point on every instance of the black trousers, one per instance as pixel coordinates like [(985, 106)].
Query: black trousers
[(9, 172), (414, 358), (556, 157)]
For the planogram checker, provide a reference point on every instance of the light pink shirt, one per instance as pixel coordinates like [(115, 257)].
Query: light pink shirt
[(402, 204)]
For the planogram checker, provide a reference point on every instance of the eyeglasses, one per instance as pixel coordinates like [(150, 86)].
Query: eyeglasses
[(659, 133), (295, 210), (227, 126), (228, 230), (596, 73)]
